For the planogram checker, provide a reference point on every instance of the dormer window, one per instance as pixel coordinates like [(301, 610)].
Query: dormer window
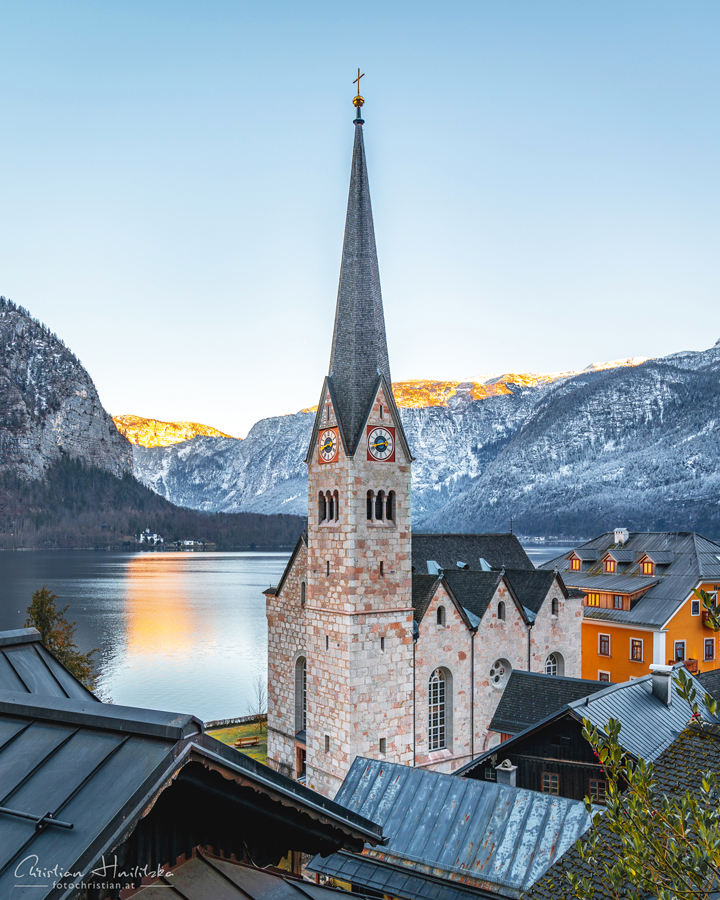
[(610, 566), (575, 564), (647, 567)]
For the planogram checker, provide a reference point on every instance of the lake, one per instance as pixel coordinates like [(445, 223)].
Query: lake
[(176, 631)]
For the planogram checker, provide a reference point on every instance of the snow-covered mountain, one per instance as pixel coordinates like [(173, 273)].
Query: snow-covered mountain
[(629, 444)]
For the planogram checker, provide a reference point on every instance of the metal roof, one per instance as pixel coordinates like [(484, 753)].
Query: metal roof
[(648, 724), (660, 557), (648, 611), (622, 556), (586, 555), (26, 665), (208, 877), (474, 834), (626, 584), (98, 767)]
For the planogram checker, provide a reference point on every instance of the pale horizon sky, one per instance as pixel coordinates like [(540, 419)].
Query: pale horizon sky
[(173, 181)]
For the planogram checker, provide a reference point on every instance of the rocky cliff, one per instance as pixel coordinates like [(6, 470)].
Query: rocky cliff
[(49, 404), (572, 454)]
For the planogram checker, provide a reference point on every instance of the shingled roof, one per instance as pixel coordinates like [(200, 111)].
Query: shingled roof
[(359, 353), (498, 550), (530, 696), (680, 768)]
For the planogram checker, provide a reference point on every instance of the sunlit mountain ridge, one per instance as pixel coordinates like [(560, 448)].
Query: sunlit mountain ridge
[(155, 433)]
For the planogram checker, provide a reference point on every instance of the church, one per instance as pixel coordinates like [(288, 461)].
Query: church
[(380, 643)]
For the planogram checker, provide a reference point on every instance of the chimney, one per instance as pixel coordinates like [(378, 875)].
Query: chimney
[(662, 682), (506, 773), (621, 535)]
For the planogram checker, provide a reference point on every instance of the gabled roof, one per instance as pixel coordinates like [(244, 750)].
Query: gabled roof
[(531, 586), (26, 665), (621, 556), (683, 557), (499, 550), (485, 836), (648, 724), (209, 877), (473, 590), (530, 696), (301, 542), (586, 555), (680, 768), (359, 347), (423, 590), (101, 767)]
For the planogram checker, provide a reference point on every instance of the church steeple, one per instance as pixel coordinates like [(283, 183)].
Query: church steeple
[(359, 353)]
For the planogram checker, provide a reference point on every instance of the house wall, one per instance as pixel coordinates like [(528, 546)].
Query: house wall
[(685, 627), (618, 664), (287, 641)]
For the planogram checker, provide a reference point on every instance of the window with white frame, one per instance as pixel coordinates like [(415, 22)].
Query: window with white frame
[(694, 607), (709, 648), (636, 649), (603, 676), (438, 703)]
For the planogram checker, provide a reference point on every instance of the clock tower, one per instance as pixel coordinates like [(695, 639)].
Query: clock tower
[(358, 594)]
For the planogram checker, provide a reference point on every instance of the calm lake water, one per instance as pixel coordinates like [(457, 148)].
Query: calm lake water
[(176, 631)]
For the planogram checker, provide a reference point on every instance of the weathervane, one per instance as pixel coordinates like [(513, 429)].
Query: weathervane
[(357, 99)]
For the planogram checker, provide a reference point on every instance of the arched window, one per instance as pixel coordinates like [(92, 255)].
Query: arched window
[(322, 507), (300, 694), (441, 615), (303, 590), (336, 503), (555, 664), (380, 505), (440, 710), (555, 606), (390, 507), (330, 500), (501, 610), (370, 504)]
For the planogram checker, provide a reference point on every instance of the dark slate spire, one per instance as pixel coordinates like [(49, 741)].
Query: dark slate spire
[(359, 349)]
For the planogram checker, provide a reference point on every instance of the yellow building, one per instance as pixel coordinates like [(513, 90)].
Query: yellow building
[(640, 607)]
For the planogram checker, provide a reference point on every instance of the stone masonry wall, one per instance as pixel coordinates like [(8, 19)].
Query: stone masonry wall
[(358, 693), (286, 642)]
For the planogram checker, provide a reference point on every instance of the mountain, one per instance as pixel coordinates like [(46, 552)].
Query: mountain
[(49, 404), (66, 472), (155, 433), (566, 454)]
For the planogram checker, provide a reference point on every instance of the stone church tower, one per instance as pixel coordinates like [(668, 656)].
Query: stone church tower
[(342, 616)]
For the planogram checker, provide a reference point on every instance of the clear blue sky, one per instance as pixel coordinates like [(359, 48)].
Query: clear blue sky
[(173, 180)]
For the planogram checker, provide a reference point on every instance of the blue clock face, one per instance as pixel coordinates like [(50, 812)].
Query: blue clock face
[(381, 444)]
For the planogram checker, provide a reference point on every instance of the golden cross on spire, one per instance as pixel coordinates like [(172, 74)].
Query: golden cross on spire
[(358, 100)]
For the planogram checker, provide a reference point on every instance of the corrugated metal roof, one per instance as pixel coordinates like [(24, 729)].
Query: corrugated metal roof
[(661, 557), (208, 877), (27, 666), (395, 881), (479, 834), (648, 724)]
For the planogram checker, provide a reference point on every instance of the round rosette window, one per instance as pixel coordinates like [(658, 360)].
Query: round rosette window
[(499, 673)]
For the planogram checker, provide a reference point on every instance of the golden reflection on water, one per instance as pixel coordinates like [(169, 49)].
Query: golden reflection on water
[(161, 620)]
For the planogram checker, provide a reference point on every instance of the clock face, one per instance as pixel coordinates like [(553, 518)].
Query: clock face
[(328, 445), (381, 444)]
